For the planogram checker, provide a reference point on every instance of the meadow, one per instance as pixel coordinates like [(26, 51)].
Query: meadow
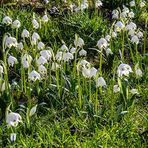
[(74, 74)]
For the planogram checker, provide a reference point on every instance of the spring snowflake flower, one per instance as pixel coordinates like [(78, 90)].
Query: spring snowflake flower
[(138, 73), (41, 60), (10, 42), (73, 50), (35, 24), (140, 34), (100, 82), (45, 18), (114, 34), (84, 63), (119, 26), (33, 76), (46, 1), (7, 20), (12, 60), (26, 60), (135, 39), (108, 37), (12, 137), (131, 32), (35, 37), (25, 33), (55, 66), (115, 14), (67, 56), (33, 110), (41, 45), (124, 70), (79, 42), (132, 4), (46, 54), (20, 46), (142, 4), (82, 52), (89, 72), (102, 43), (98, 3), (13, 119), (59, 55), (16, 24), (108, 51), (64, 48), (131, 14), (116, 89), (134, 91), (1, 70), (42, 69), (125, 9), (131, 26)]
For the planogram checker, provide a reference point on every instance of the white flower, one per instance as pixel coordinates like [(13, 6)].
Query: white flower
[(108, 37), (114, 34), (67, 56), (142, 4), (131, 14), (134, 91), (16, 24), (124, 70), (46, 54), (64, 48), (59, 55), (135, 39), (12, 137), (115, 14), (35, 24), (55, 66), (79, 42), (13, 119), (33, 110), (46, 1), (102, 43), (73, 50), (35, 37), (131, 32), (33, 76), (131, 26), (45, 18), (125, 9), (25, 33), (20, 46), (1, 70), (26, 60), (89, 72), (140, 34), (132, 3), (12, 60), (42, 69), (82, 52), (108, 51), (41, 60), (84, 63), (100, 82), (119, 26), (41, 45), (7, 20), (98, 3), (123, 15), (138, 72), (116, 88), (10, 42)]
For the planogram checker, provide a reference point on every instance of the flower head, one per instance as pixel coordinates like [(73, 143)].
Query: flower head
[(102, 43), (25, 33), (7, 20), (1, 70), (16, 24), (100, 82), (33, 76), (13, 119), (82, 52), (12, 60), (35, 24), (41, 60), (10, 42)]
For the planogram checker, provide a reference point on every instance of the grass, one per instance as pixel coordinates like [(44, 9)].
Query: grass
[(71, 110)]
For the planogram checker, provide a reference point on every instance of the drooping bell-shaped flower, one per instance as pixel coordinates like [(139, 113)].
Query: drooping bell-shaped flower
[(12, 60), (102, 43), (100, 82), (7, 20), (16, 24), (33, 76), (25, 33)]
